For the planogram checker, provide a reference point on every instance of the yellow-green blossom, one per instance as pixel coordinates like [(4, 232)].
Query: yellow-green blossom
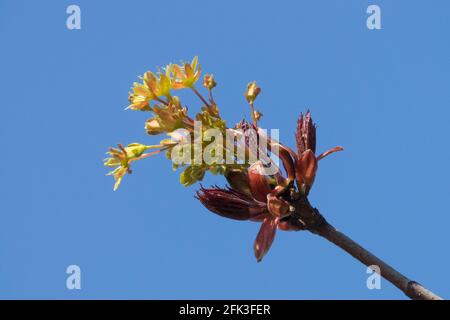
[(121, 158), (161, 84), (187, 75), (139, 97)]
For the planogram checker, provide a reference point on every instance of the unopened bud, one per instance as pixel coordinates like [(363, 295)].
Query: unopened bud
[(135, 150), (306, 167), (257, 115), (153, 127), (278, 207), (306, 133), (209, 82), (252, 92), (257, 179)]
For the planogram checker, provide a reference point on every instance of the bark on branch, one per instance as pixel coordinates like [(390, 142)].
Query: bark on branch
[(310, 219)]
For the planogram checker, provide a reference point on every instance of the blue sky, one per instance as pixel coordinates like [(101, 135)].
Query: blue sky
[(382, 94)]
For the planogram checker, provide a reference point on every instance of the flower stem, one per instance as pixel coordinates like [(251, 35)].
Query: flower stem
[(200, 96), (162, 101), (146, 155), (211, 97), (252, 108)]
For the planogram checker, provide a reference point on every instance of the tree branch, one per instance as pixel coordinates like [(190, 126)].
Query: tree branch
[(310, 219)]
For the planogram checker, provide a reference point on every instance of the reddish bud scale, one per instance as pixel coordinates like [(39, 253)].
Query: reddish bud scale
[(306, 167), (265, 237), (288, 225), (279, 208), (306, 133), (259, 186), (288, 163), (232, 204)]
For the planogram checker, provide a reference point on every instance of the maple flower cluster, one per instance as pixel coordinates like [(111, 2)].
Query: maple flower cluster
[(254, 193)]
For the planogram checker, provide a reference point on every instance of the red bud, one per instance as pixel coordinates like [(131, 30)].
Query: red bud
[(306, 133), (265, 237), (259, 186), (232, 204), (277, 207), (306, 167)]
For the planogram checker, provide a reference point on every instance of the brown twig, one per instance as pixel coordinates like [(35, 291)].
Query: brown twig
[(310, 219)]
